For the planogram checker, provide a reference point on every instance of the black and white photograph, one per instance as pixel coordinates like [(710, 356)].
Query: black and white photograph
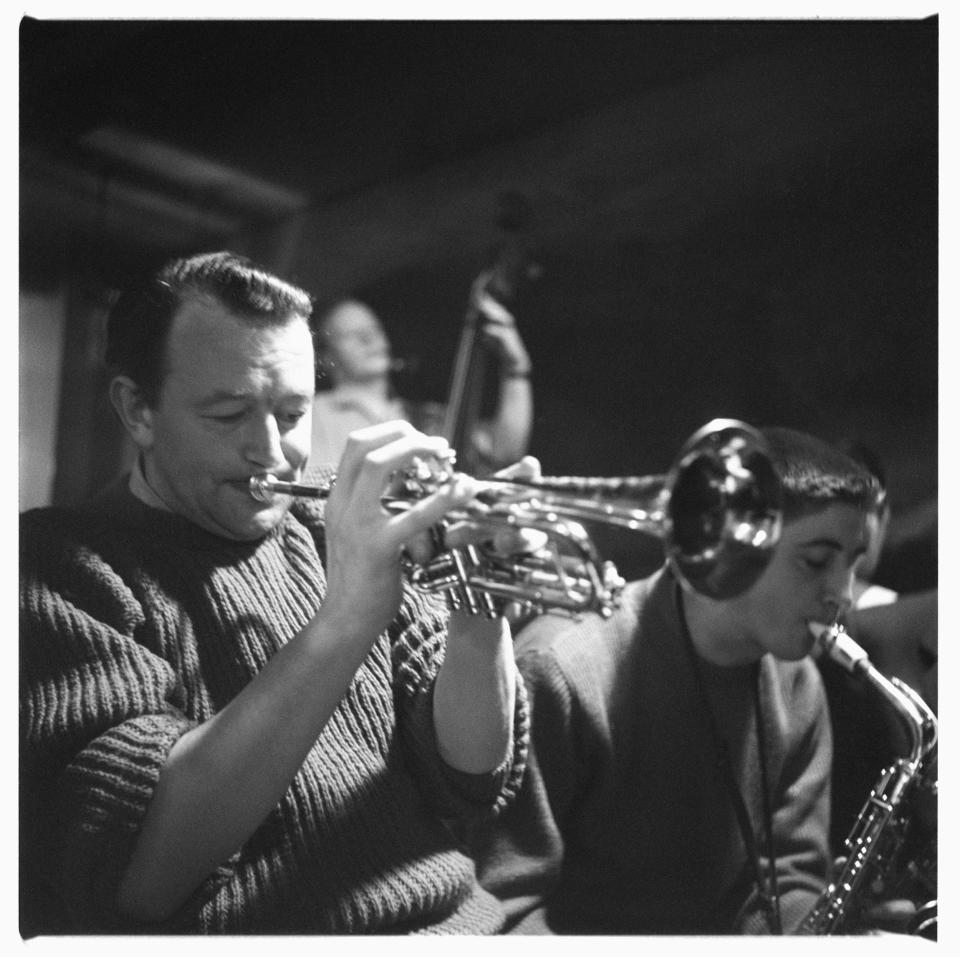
[(478, 475)]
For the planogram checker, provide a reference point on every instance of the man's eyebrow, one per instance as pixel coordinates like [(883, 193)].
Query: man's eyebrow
[(831, 543), (234, 395), (221, 395)]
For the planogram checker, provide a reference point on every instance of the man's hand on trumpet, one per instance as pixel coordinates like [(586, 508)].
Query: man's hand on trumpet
[(495, 537), (365, 539), (474, 694)]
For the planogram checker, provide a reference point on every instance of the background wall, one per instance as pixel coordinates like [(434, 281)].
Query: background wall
[(730, 218), (41, 351)]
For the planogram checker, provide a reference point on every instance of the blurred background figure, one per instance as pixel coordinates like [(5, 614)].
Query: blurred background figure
[(867, 592), (895, 617), (356, 359)]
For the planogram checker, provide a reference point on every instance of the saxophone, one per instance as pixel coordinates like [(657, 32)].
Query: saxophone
[(885, 858)]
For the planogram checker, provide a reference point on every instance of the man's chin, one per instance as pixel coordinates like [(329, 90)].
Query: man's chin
[(264, 521), (252, 526), (805, 644)]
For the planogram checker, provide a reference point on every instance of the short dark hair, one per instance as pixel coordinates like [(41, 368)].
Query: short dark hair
[(139, 322), (814, 474), (866, 456)]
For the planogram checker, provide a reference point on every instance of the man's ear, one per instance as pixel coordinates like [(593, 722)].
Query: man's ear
[(135, 414)]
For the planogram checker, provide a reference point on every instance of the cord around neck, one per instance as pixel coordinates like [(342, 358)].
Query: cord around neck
[(767, 889)]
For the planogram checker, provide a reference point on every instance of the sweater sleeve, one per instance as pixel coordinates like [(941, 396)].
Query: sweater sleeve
[(520, 856), (98, 717), (418, 639), (801, 816)]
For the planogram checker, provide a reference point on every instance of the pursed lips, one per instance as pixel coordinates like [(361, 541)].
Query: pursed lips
[(243, 485)]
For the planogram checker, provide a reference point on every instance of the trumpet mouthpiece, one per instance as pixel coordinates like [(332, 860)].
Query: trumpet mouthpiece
[(264, 487), (260, 487)]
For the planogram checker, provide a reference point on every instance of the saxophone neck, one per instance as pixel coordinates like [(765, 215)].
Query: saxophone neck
[(914, 713), (834, 641)]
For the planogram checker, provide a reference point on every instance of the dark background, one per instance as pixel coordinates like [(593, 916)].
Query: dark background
[(730, 218)]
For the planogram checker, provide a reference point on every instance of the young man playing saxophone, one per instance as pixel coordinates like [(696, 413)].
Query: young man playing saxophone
[(679, 774)]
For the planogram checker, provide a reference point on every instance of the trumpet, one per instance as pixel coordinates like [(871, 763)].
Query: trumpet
[(717, 511)]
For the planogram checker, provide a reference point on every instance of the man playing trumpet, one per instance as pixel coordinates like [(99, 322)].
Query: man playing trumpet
[(236, 719)]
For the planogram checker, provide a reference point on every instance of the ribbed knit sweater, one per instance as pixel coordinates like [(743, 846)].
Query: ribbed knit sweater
[(624, 823), (137, 625)]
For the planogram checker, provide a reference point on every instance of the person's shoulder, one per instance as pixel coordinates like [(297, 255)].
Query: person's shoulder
[(40, 528), (70, 517), (56, 543), (587, 641), (104, 517)]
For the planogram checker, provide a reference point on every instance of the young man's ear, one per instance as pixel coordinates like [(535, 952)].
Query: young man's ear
[(135, 414)]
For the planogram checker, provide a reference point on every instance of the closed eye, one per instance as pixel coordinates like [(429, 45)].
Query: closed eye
[(227, 417)]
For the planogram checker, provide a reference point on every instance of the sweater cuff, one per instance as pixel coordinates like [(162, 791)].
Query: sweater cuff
[(106, 790), (459, 794)]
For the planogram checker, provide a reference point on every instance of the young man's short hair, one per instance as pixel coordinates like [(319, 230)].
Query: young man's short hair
[(815, 474)]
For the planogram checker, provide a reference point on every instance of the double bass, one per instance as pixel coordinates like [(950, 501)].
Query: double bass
[(511, 267)]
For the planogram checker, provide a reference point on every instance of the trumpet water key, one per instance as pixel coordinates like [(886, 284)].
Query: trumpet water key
[(717, 512)]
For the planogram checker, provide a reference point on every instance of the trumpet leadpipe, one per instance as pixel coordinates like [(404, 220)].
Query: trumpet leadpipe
[(421, 478), (604, 499), (263, 486)]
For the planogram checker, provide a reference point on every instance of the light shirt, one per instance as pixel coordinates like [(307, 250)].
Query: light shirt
[(336, 415), (339, 412)]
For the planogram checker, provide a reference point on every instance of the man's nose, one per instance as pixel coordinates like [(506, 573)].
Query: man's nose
[(838, 593), (262, 443)]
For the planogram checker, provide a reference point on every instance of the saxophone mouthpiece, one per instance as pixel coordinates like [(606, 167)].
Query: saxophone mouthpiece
[(834, 642), (819, 630)]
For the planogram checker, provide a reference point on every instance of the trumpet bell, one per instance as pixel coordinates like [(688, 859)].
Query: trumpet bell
[(717, 512), (723, 514)]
